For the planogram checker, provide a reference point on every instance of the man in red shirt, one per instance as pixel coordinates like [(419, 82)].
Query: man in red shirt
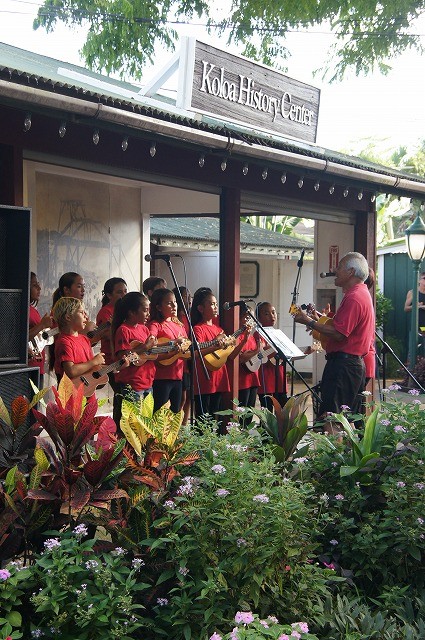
[(349, 337)]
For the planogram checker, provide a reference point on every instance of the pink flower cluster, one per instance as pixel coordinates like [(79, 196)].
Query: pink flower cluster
[(244, 617)]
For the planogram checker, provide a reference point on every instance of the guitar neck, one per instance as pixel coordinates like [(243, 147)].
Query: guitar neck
[(94, 332), (214, 342), (49, 333)]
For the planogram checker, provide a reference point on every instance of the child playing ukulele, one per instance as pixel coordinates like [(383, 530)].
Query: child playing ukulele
[(165, 324), (208, 393), (131, 314), (36, 324), (73, 351), (113, 289)]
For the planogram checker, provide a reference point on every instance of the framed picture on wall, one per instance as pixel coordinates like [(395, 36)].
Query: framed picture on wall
[(250, 279)]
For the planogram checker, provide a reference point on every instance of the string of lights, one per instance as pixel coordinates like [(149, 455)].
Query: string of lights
[(225, 161)]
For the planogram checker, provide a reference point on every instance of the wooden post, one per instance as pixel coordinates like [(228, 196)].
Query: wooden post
[(11, 176), (230, 211)]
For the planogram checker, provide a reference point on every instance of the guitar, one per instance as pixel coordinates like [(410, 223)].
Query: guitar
[(46, 337), (96, 379), (310, 309)]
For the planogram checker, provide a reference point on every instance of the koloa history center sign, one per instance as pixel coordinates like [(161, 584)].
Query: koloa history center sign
[(236, 89)]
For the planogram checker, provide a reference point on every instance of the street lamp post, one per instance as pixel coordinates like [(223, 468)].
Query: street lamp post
[(415, 242)]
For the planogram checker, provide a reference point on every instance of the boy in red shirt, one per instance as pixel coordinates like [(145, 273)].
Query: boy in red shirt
[(73, 351)]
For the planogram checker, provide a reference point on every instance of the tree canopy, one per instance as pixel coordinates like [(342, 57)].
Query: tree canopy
[(123, 34)]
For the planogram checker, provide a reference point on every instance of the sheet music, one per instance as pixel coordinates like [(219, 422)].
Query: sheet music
[(288, 348)]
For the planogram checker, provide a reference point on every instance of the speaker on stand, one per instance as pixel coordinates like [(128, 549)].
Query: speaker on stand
[(15, 234)]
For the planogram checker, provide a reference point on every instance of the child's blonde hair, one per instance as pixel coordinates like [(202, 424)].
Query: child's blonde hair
[(64, 308)]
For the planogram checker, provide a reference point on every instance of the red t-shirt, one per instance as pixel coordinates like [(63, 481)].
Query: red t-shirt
[(219, 380), (35, 318), (139, 378), (105, 315), (267, 376), (247, 378), (170, 329), (76, 349), (369, 362), (355, 319)]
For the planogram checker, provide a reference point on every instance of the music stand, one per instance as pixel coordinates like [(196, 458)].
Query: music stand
[(286, 350)]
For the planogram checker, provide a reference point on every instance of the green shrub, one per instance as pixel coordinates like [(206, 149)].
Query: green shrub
[(235, 535)]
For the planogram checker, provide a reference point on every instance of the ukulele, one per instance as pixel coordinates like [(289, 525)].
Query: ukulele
[(46, 337), (96, 379), (217, 359), (310, 309), (263, 356), (214, 360), (183, 353)]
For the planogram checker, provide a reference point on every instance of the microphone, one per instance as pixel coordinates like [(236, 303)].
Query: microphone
[(327, 274), (161, 256), (301, 260), (238, 303)]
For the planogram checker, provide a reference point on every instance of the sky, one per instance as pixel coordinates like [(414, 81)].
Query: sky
[(386, 109)]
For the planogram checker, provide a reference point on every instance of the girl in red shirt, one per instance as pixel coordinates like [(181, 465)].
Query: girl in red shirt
[(131, 314), (208, 393), (114, 289), (164, 323), (272, 382), (248, 380), (187, 302), (36, 324)]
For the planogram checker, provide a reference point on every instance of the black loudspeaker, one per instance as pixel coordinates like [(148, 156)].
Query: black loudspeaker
[(15, 233), (17, 383)]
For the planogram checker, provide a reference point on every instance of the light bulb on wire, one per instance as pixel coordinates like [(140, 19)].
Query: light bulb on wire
[(27, 122)]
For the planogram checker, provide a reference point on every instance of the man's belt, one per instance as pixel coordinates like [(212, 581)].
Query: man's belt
[(339, 355)]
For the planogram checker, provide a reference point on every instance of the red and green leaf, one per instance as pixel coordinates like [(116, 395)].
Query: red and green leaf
[(19, 410)]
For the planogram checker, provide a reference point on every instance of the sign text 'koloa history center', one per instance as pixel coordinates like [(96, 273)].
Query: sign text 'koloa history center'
[(239, 90)]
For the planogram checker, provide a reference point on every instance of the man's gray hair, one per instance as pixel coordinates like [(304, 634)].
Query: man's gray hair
[(358, 262)]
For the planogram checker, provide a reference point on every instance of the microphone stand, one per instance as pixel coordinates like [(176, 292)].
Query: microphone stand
[(295, 295), (194, 344), (279, 351), (387, 349)]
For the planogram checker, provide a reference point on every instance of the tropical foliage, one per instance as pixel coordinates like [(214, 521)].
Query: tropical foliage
[(220, 537), (122, 36)]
